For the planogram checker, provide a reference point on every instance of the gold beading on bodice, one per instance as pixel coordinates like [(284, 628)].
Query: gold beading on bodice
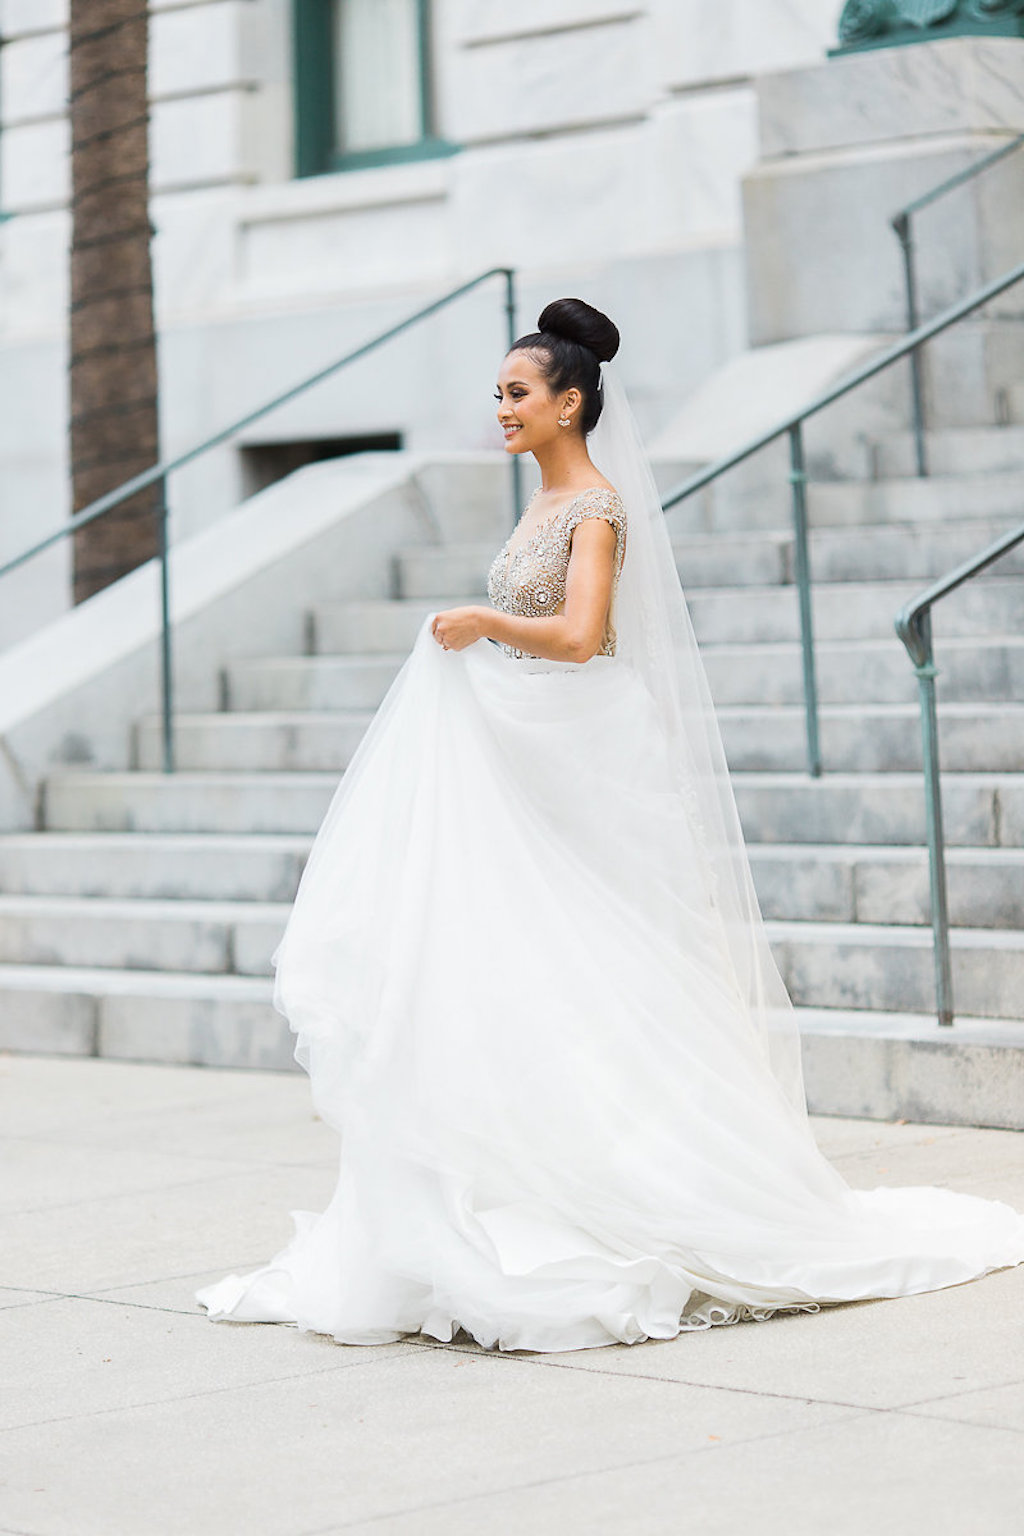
[(528, 578)]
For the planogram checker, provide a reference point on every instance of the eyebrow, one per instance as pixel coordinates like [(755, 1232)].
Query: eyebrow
[(522, 384)]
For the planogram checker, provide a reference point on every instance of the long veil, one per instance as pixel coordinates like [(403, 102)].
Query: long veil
[(656, 638)]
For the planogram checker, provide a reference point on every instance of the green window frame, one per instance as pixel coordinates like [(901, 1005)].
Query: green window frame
[(316, 77)]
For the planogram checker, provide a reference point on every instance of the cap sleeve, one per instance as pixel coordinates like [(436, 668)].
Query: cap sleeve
[(603, 503)]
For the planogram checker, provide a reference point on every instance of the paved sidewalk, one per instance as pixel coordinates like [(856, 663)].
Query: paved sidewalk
[(124, 1412)]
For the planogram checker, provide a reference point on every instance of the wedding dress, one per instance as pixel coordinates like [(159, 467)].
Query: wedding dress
[(532, 990)]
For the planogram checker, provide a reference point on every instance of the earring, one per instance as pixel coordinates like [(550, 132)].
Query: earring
[(565, 421)]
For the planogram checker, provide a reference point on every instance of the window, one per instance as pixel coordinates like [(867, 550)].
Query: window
[(363, 84)]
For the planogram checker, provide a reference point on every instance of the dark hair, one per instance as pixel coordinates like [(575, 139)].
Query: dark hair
[(571, 342)]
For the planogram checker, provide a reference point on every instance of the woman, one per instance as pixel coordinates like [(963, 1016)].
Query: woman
[(529, 978)]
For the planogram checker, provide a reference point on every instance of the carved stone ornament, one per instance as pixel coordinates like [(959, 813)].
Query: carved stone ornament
[(874, 23)]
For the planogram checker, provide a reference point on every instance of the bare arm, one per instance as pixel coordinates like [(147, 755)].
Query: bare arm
[(575, 634)]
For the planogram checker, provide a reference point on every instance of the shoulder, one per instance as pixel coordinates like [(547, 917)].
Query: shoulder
[(599, 501)]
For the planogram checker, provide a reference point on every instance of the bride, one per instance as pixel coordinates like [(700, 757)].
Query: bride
[(528, 976)]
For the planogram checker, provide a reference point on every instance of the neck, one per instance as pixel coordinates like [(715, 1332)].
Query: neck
[(562, 462)]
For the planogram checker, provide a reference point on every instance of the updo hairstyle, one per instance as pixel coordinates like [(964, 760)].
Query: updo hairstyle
[(571, 342)]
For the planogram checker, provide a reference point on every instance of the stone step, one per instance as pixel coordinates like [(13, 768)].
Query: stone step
[(259, 741), (231, 938), (356, 682), (936, 499), (862, 965), (852, 610), (854, 737), (865, 672), (912, 551), (981, 810), (867, 1064), (856, 883), (829, 883), (76, 800), (874, 738), (216, 1021), (953, 451), (151, 866), (373, 626), (905, 1066), (842, 611), (756, 672)]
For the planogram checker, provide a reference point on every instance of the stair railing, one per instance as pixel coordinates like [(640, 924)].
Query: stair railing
[(158, 473), (914, 627), (901, 223), (792, 427)]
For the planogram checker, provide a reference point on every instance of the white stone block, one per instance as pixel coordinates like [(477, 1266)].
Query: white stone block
[(17, 16), (822, 255), (700, 42), (34, 282), (353, 248), (702, 146), (569, 200), (477, 21), (33, 77), (752, 393), (957, 85), (35, 166), (196, 141), (192, 252), (551, 81), (33, 484), (198, 48)]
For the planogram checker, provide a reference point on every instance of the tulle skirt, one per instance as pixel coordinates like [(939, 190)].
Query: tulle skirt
[(510, 988)]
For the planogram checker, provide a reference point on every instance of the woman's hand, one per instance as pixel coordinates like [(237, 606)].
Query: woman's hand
[(456, 628)]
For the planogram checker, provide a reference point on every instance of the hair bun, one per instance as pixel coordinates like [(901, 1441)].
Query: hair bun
[(580, 322)]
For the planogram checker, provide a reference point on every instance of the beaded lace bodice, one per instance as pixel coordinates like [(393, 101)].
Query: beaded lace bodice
[(528, 575)]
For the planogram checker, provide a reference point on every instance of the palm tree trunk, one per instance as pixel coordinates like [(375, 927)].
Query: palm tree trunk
[(113, 346)]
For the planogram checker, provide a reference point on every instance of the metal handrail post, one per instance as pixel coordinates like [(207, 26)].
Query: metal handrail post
[(512, 334), (926, 672), (904, 233), (802, 574), (914, 627), (166, 658)]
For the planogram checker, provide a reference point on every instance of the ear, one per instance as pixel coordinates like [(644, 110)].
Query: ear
[(571, 402)]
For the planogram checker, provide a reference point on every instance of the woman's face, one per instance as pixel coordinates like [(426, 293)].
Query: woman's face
[(527, 410)]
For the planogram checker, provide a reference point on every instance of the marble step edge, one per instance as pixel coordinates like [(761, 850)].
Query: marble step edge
[(170, 1017), (151, 844), (272, 778), (874, 1065), (353, 661), (986, 525), (878, 1065), (240, 720), (154, 909), (158, 910), (890, 935)]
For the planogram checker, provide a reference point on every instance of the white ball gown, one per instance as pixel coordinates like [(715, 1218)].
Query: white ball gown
[(530, 986)]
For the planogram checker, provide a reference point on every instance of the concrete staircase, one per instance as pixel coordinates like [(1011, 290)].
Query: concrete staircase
[(139, 921)]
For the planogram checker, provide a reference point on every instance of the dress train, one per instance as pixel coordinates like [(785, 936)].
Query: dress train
[(510, 985)]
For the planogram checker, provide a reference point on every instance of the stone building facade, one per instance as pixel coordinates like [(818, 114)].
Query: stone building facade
[(320, 169)]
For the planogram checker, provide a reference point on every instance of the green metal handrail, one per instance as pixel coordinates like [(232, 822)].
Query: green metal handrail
[(792, 426), (914, 627), (904, 233), (158, 472)]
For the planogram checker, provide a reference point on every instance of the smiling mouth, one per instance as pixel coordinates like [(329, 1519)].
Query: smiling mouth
[(509, 430)]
